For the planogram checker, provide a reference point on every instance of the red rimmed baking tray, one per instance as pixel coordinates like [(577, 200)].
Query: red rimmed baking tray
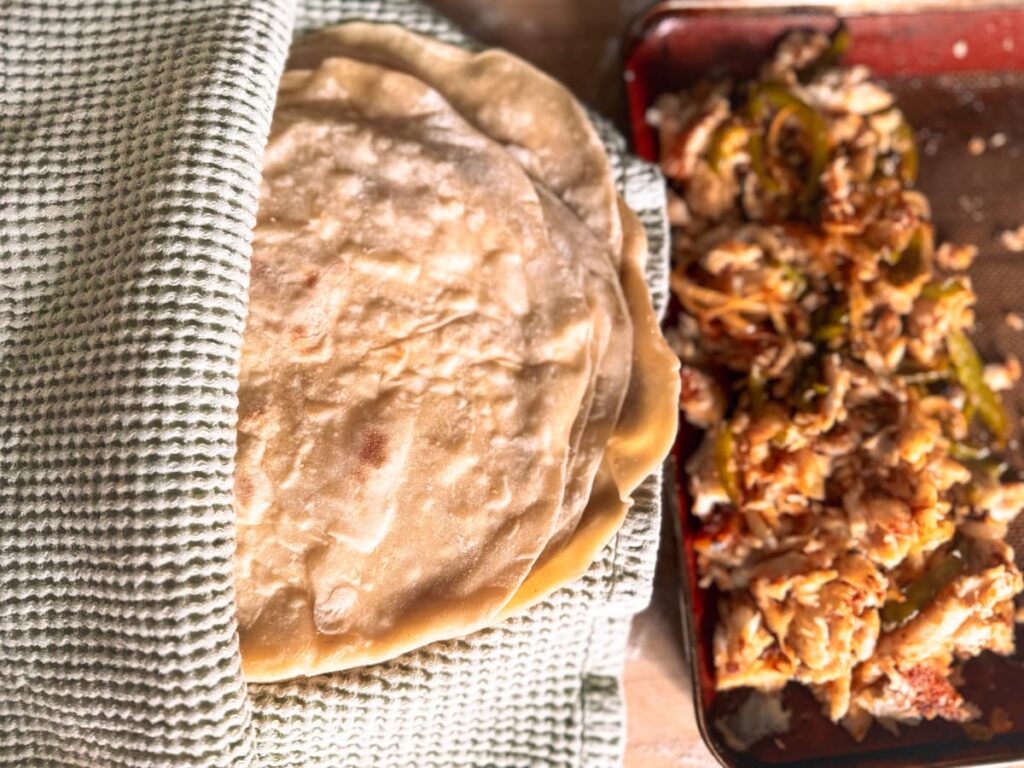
[(957, 74)]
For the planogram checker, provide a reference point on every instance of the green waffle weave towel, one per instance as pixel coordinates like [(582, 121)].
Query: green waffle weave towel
[(131, 134)]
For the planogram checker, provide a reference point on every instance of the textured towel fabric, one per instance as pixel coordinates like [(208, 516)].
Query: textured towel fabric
[(130, 141)]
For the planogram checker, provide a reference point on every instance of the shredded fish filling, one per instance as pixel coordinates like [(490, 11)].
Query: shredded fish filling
[(851, 501)]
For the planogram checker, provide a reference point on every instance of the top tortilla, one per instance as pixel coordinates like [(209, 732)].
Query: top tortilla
[(532, 115), (438, 351)]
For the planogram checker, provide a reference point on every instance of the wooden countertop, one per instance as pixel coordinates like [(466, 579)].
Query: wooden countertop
[(661, 731), (578, 42)]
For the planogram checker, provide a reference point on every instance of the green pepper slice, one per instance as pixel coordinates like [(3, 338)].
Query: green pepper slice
[(915, 259), (948, 287), (755, 146), (838, 47), (828, 332), (831, 323), (921, 592), (773, 95), (990, 468), (980, 398), (924, 377), (909, 158), (839, 44), (725, 141), (794, 278), (980, 461), (755, 387), (966, 452), (723, 456)]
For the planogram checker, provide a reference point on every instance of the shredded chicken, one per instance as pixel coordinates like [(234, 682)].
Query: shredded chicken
[(851, 503), (700, 398)]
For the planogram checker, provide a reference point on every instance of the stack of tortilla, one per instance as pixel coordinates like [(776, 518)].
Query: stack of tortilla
[(452, 378)]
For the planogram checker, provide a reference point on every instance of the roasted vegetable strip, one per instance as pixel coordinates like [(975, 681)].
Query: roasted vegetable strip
[(921, 592), (970, 372), (768, 96)]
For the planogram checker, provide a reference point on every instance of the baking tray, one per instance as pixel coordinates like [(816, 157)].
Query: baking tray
[(957, 74)]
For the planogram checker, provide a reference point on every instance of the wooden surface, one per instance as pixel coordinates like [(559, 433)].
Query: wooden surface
[(578, 41), (660, 728)]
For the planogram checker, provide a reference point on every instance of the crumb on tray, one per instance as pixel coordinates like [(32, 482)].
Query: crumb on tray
[(1013, 239)]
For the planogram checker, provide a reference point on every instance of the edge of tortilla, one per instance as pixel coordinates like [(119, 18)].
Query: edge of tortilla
[(639, 444)]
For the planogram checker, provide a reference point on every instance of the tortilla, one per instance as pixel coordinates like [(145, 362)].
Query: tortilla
[(613, 366), (642, 438), (647, 425), (447, 371), (531, 114), (416, 353)]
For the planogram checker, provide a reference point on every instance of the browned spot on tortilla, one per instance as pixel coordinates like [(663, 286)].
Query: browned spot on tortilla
[(375, 444), (244, 490)]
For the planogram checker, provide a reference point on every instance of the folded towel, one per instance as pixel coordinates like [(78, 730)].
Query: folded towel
[(130, 148)]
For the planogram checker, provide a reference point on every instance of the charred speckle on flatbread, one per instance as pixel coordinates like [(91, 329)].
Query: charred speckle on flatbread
[(374, 447)]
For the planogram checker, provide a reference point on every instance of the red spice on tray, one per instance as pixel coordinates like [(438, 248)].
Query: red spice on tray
[(954, 74)]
